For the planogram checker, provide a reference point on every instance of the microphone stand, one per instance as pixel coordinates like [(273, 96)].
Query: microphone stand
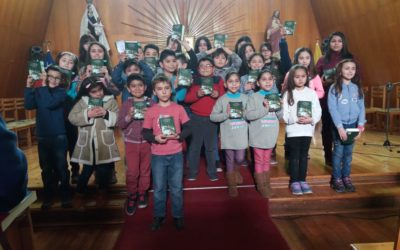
[(387, 144)]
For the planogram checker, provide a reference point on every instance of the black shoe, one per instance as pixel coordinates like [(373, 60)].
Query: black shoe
[(348, 184), (179, 224), (74, 177), (46, 205), (143, 200), (66, 204), (130, 205), (157, 223)]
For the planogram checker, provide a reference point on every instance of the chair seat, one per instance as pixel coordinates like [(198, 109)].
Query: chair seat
[(374, 110), (15, 125), (391, 111)]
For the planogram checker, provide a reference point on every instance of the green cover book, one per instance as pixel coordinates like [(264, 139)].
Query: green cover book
[(236, 110), (132, 48), (97, 64), (151, 62), (95, 102), (219, 40), (167, 125), (330, 73), (178, 30), (351, 134), (290, 27), (253, 75), (304, 109), (185, 77), (68, 74), (35, 69), (207, 84), (274, 102), (139, 107)]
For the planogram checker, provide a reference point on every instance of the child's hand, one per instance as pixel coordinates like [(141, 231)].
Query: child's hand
[(104, 71), (29, 82), (200, 93), (89, 70), (101, 111), (130, 114), (160, 139), (228, 109), (214, 94), (266, 104), (122, 57), (172, 137), (92, 113), (185, 44), (304, 120), (342, 134), (211, 51), (227, 50), (43, 77)]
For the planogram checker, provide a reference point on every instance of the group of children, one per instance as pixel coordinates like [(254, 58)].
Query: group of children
[(157, 115)]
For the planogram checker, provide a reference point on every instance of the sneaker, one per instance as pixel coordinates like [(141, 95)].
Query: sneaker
[(47, 204), (67, 203), (337, 185), (305, 188), (130, 205), (143, 200), (348, 185), (273, 161), (191, 178), (296, 188), (157, 223), (213, 178), (245, 163), (219, 170), (179, 224)]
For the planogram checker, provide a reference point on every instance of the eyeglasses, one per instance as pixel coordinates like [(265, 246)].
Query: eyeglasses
[(207, 66), (57, 79)]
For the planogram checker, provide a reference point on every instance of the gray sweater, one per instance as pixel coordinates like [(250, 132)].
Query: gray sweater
[(234, 132), (264, 125)]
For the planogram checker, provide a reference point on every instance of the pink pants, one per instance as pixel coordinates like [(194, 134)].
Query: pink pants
[(138, 158), (261, 159)]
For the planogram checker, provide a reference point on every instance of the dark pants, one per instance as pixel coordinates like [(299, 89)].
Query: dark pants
[(298, 148), (53, 163), (342, 155), (103, 175), (326, 133)]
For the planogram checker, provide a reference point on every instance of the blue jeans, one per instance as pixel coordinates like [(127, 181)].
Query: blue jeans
[(167, 171), (342, 155)]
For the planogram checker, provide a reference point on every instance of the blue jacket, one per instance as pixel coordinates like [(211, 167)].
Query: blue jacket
[(49, 105), (347, 107), (13, 170)]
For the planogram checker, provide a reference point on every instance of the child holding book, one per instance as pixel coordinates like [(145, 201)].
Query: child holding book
[(202, 96), (245, 51), (48, 100), (229, 111), (346, 106), (201, 46), (264, 112), (95, 113), (137, 150), (225, 61), (165, 126), (301, 111)]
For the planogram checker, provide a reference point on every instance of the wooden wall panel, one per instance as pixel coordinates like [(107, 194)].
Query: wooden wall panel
[(372, 30)]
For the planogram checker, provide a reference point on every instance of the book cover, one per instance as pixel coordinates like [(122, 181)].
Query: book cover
[(304, 108), (207, 84), (274, 102), (68, 74), (151, 62), (120, 45), (97, 64), (139, 109), (132, 49), (351, 134), (330, 73), (35, 69), (236, 110), (184, 77), (290, 27), (178, 30), (253, 75), (167, 125), (95, 102), (219, 40)]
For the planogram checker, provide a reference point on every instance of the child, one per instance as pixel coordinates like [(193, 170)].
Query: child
[(205, 132), (346, 106), (241, 41), (272, 63), (183, 61), (233, 126), (225, 61), (263, 130), (166, 149), (137, 150), (245, 51), (173, 44), (299, 125), (202, 45), (48, 101), (151, 50), (84, 43), (95, 113)]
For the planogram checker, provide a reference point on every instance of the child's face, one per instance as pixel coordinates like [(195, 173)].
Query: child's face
[(248, 52), (181, 64), (163, 91), (336, 43), (300, 78), (173, 45), (233, 83), (220, 61), (256, 63), (266, 81), (202, 46), (304, 59), (96, 92), (53, 78), (169, 64), (133, 69), (348, 70), (137, 88), (66, 62), (266, 53), (206, 68), (96, 52), (140, 54), (150, 53)]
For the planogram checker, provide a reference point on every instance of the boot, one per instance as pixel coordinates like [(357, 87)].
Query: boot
[(239, 178), (232, 186), (260, 182), (267, 176)]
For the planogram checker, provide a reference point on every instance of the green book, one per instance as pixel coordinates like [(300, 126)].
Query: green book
[(132, 48), (290, 27), (97, 64), (274, 102), (219, 40), (151, 62), (167, 125), (351, 134), (68, 74), (120, 45), (253, 75), (139, 109), (207, 84), (329, 73), (184, 77), (236, 110), (304, 109), (35, 69), (178, 30), (95, 102)]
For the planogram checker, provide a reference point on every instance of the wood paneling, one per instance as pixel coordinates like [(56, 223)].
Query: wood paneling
[(22, 25)]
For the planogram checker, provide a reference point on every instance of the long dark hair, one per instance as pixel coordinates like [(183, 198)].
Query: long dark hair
[(311, 68), (338, 84), (244, 69), (344, 53), (87, 38), (106, 56), (88, 84), (179, 48), (197, 43), (290, 82), (246, 39)]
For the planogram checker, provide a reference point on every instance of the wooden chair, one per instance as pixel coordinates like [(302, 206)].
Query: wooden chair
[(8, 111), (377, 103), (394, 112)]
